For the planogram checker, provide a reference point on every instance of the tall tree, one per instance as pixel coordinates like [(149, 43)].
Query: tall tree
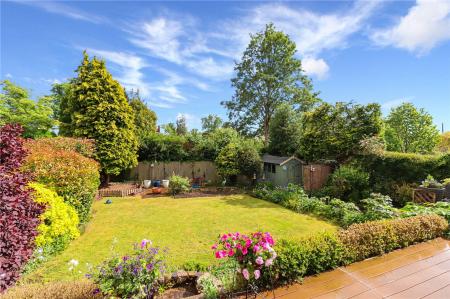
[(335, 132), (211, 123), (99, 110), (36, 117), (267, 75), (144, 118), (61, 94), (410, 130), (444, 143), (181, 125), (285, 131)]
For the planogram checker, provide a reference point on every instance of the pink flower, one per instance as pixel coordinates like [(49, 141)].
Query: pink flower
[(257, 274), (224, 237), (244, 251), (246, 274), (269, 262), (255, 248), (230, 252), (214, 246), (259, 260), (221, 254)]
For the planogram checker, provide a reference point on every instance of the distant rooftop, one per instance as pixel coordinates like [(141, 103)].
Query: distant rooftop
[(266, 158)]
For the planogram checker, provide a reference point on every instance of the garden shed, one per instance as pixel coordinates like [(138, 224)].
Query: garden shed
[(282, 171)]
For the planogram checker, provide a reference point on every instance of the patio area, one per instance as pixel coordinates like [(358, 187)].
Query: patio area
[(419, 271)]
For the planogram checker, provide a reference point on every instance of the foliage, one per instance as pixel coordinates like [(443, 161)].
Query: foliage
[(59, 222), (401, 194), (19, 215), (99, 110), (444, 142), (71, 175), (335, 132), (238, 158), (181, 128), (178, 184), (372, 145), (267, 75), (144, 118), (253, 253), (36, 117), (85, 147), (211, 123), (212, 143), (61, 94), (78, 289), (364, 240), (161, 147), (393, 168), (208, 286), (294, 198), (132, 276), (377, 207), (439, 208), (350, 183), (285, 131), (410, 130), (308, 256), (431, 182)]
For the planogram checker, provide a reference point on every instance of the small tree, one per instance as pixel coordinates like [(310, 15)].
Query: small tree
[(144, 118), (211, 123), (99, 110), (178, 184), (410, 130), (19, 214), (267, 75), (285, 131), (36, 117), (181, 125)]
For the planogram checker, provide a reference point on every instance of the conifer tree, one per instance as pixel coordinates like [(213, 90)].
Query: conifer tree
[(99, 110)]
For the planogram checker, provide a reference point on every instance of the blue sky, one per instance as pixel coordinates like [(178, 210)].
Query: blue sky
[(180, 54)]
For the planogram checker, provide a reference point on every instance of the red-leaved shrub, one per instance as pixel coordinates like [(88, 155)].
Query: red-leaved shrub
[(19, 214)]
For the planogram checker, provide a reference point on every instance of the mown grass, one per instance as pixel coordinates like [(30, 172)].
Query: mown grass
[(188, 227)]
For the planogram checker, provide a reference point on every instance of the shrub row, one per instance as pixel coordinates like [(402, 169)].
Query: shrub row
[(375, 207), (80, 289), (360, 241), (72, 175), (392, 168)]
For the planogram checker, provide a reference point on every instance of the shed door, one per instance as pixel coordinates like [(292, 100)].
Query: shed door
[(294, 173)]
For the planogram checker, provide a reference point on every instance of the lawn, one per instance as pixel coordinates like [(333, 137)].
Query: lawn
[(188, 227)]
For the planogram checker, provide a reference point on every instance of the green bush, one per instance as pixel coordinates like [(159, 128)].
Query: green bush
[(377, 207), (401, 194), (308, 256), (364, 240), (349, 183), (59, 222), (392, 168), (72, 175), (440, 208), (161, 147), (178, 184)]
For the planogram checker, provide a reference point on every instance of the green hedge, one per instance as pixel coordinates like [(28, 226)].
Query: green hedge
[(360, 241), (393, 167)]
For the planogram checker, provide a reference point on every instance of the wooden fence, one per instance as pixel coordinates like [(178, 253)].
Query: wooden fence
[(315, 176), (163, 170)]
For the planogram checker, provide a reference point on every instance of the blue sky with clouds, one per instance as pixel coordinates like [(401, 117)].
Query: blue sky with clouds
[(180, 54)]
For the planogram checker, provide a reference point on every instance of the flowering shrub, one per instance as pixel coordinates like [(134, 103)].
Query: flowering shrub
[(253, 253), (72, 175), (59, 222), (178, 184), (19, 215), (132, 276), (83, 146)]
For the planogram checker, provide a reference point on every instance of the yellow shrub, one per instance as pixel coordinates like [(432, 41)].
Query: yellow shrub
[(59, 222)]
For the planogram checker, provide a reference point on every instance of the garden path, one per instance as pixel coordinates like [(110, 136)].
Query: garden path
[(418, 271)]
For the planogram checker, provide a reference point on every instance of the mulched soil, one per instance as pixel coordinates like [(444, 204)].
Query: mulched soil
[(202, 192)]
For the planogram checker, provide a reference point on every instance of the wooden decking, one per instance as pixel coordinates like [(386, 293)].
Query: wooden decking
[(419, 271)]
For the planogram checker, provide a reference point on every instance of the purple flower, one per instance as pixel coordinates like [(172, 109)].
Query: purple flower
[(96, 291), (125, 258), (88, 276), (145, 242), (149, 266)]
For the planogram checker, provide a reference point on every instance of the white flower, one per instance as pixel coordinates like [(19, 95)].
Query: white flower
[(73, 262)]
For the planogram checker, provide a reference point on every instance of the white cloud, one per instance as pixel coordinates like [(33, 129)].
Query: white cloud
[(8, 75), (315, 67), (426, 25), (66, 10)]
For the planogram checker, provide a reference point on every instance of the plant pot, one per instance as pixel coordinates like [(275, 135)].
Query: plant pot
[(147, 184), (165, 183)]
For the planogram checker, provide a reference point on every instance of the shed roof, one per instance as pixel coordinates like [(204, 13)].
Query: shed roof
[(278, 160)]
